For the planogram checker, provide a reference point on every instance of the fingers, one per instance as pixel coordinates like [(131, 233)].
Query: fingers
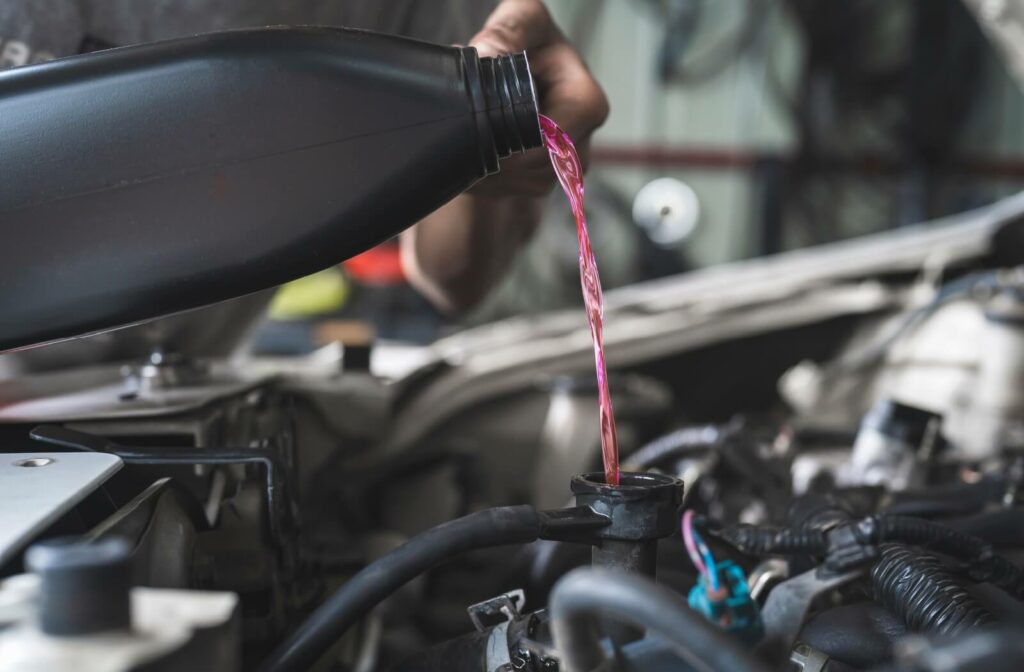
[(516, 25), (569, 94), (566, 90)]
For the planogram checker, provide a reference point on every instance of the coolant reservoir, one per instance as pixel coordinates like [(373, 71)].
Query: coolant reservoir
[(966, 363), (989, 410)]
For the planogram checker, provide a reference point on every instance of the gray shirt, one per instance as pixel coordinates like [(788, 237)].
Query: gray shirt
[(37, 30)]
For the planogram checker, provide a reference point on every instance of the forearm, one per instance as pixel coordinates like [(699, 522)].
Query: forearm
[(455, 255)]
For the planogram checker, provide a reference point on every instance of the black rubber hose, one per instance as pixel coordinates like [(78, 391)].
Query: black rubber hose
[(921, 532), (916, 587), (759, 541), (484, 529), (983, 563), (676, 444), (1001, 528), (584, 594), (956, 499)]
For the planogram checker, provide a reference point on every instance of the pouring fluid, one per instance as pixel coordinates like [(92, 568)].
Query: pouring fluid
[(570, 175)]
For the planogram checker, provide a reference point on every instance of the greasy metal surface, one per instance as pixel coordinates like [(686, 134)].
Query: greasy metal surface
[(38, 488)]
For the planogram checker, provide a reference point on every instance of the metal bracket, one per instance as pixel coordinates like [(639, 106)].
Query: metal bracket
[(806, 659), (787, 605), (280, 513), (500, 609), (36, 489)]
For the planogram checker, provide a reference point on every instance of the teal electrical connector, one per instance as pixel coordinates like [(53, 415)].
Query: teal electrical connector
[(731, 607)]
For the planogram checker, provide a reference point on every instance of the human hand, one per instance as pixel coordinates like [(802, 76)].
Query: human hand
[(566, 90)]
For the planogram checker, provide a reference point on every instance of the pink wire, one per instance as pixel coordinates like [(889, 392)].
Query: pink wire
[(691, 546)]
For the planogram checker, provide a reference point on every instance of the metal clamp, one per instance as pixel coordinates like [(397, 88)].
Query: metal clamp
[(500, 609)]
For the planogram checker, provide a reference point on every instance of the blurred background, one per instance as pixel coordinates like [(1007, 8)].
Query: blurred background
[(780, 124)]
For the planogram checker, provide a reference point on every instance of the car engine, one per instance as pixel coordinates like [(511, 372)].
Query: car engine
[(823, 455)]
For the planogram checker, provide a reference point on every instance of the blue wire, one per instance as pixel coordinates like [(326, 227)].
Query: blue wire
[(709, 559)]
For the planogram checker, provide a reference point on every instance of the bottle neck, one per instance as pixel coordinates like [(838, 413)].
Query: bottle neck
[(506, 105)]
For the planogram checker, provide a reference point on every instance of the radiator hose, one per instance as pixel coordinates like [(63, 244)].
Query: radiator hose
[(483, 529), (500, 526), (584, 594)]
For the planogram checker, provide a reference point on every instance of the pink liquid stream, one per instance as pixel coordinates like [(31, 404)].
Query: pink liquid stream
[(570, 175)]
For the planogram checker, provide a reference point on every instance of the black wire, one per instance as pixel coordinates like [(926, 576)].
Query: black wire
[(675, 444)]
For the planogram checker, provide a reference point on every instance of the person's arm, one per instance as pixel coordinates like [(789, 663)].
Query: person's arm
[(458, 253)]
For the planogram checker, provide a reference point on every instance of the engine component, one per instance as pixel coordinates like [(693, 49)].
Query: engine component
[(642, 509), (83, 588), (916, 587), (807, 659), (766, 576), (852, 544), (984, 565), (862, 635), (584, 594), (991, 416), (493, 527), (517, 643), (787, 541), (280, 516), (37, 488), (75, 614), (787, 606), (196, 514), (731, 607), (886, 450), (681, 442)]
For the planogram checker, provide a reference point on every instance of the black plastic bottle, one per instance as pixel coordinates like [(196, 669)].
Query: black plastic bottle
[(148, 180)]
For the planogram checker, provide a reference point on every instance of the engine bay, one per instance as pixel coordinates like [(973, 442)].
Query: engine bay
[(822, 463)]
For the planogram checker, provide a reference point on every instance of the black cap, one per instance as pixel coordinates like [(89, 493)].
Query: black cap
[(84, 587), (511, 103), (899, 421), (641, 507)]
